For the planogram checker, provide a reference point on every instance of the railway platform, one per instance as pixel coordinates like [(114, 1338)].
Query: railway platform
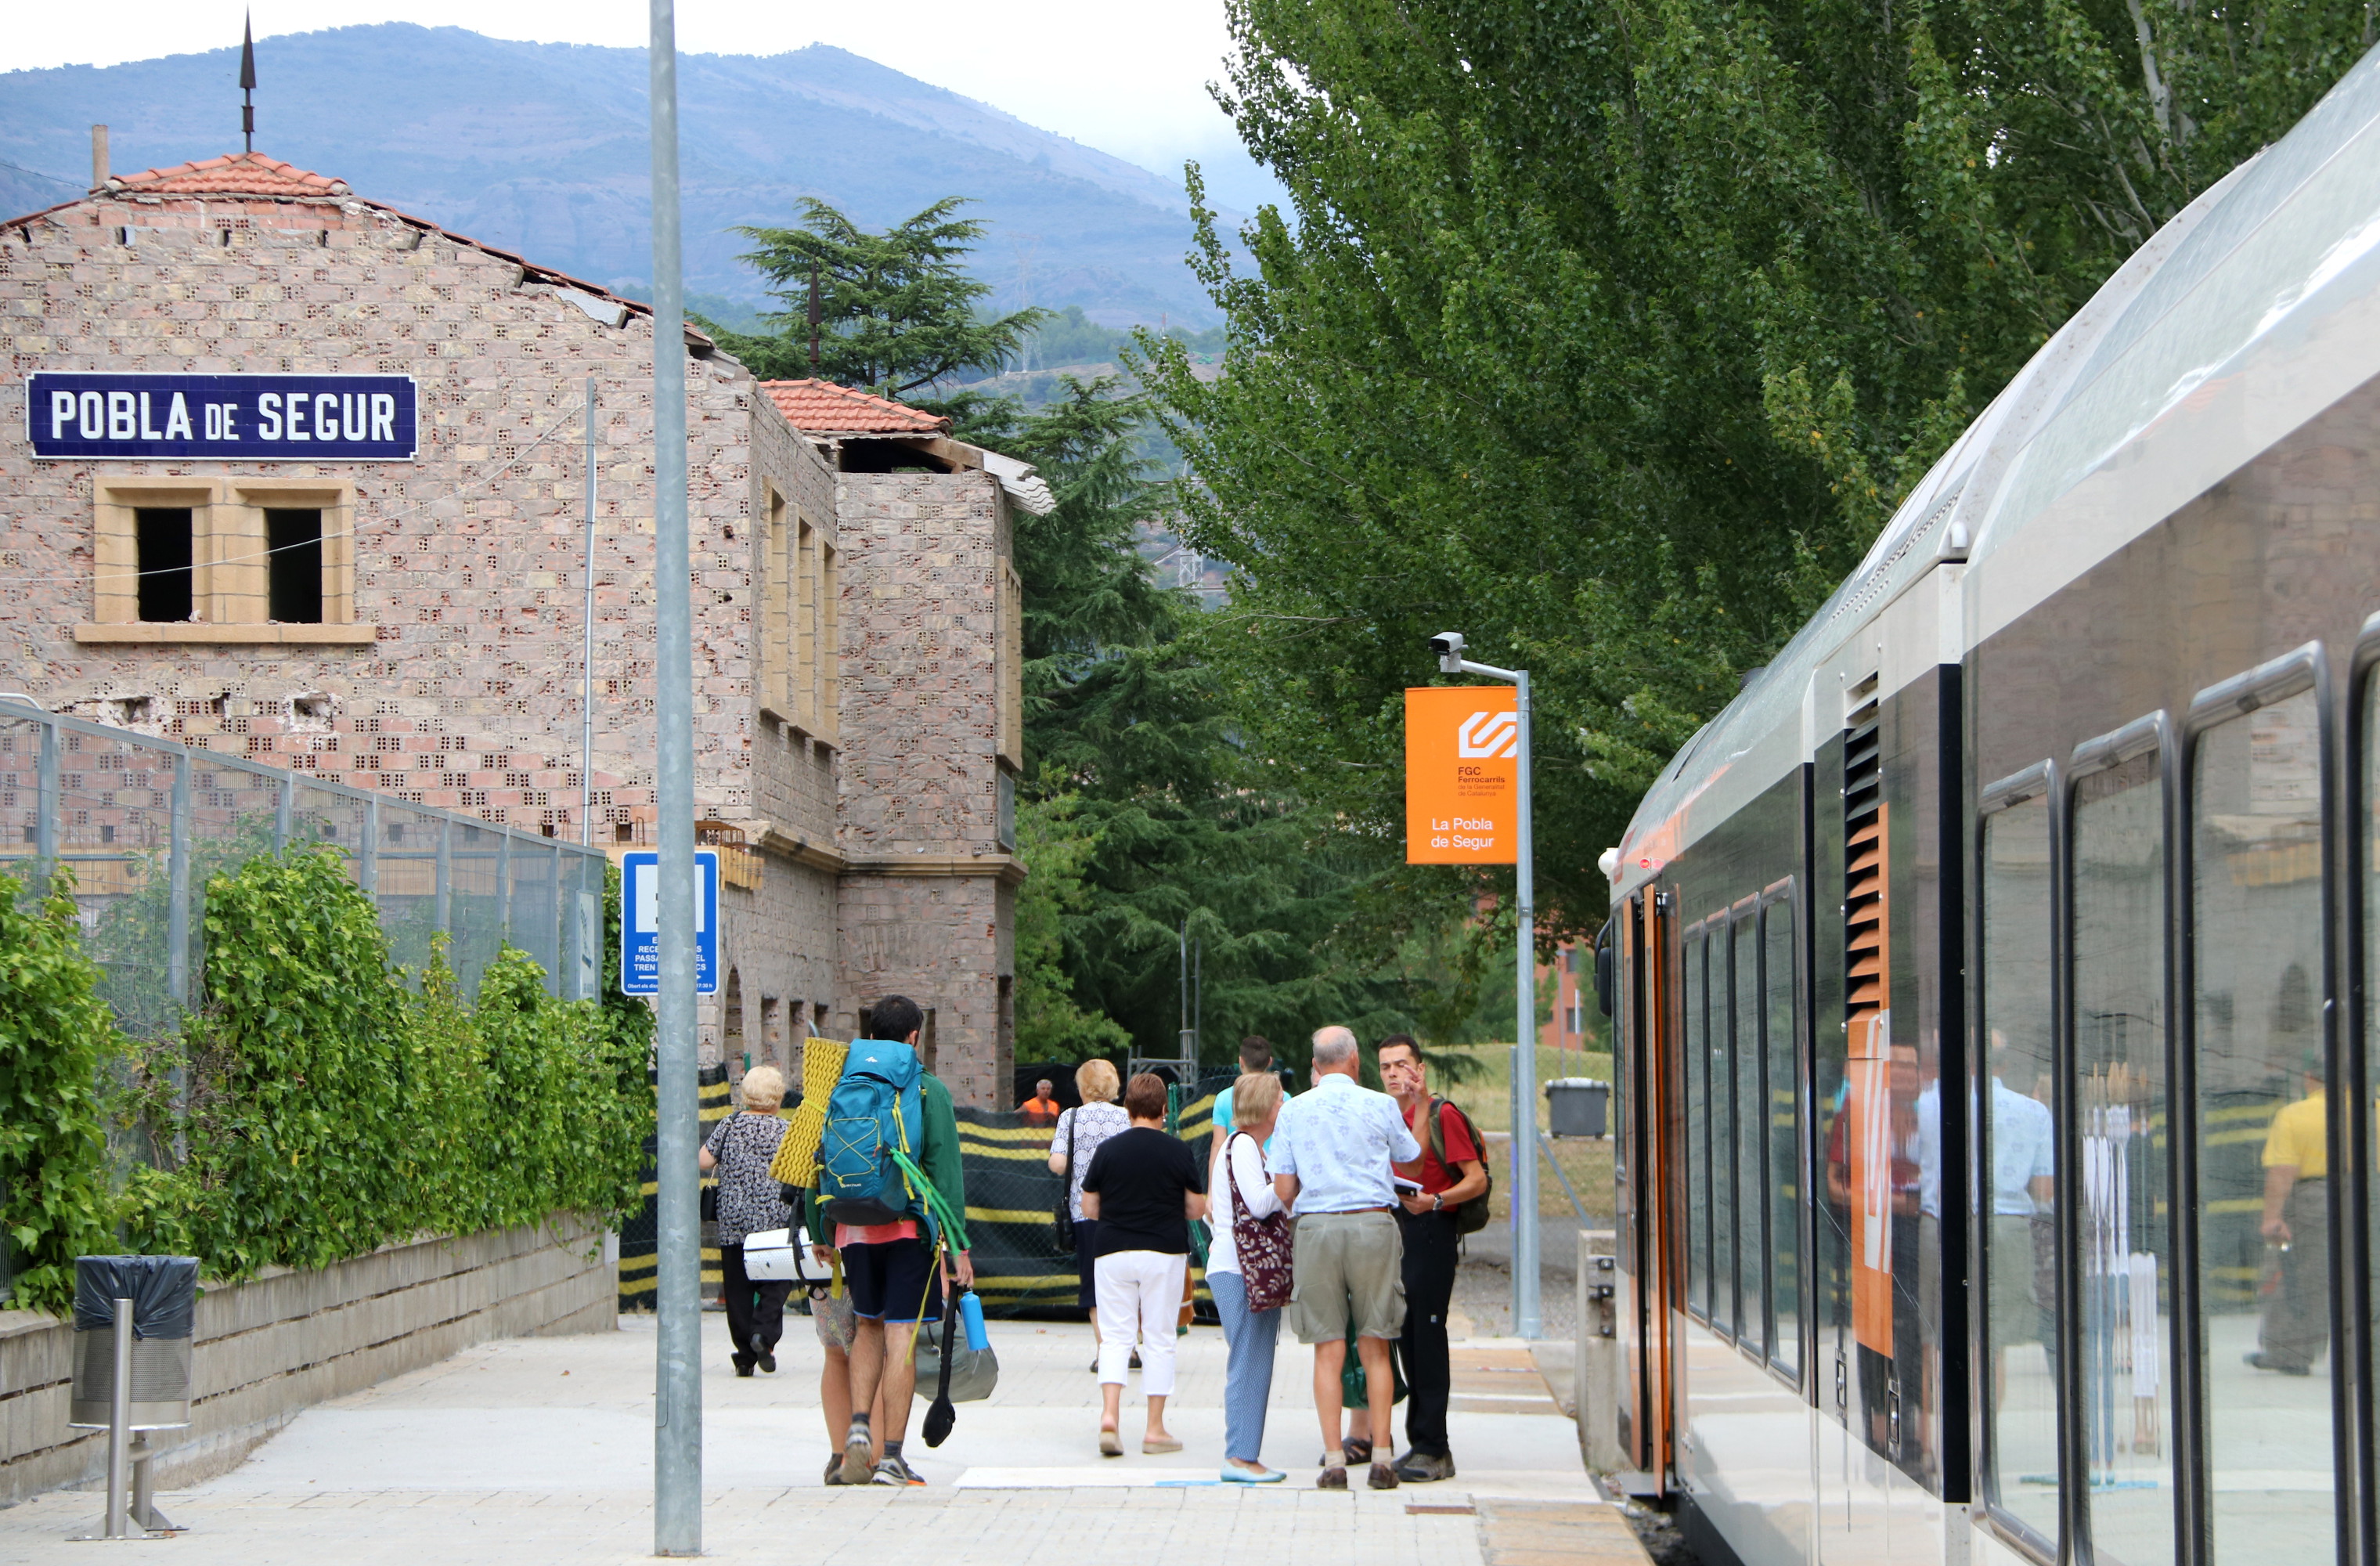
[(540, 1450)]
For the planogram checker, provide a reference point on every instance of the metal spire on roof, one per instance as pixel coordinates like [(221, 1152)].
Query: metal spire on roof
[(247, 80)]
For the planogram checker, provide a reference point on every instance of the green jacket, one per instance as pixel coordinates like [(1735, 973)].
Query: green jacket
[(940, 1155)]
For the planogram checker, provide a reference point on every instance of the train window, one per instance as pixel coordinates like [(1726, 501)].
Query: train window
[(2264, 1184), (1720, 1139), (2019, 1281), (1781, 1038), (1751, 1158), (2116, 970), (1697, 1055)]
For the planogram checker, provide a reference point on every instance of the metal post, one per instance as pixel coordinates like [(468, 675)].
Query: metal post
[(367, 854), (677, 1434), (119, 1428), (443, 898), (177, 886), (587, 695), (284, 812), (504, 883), (1526, 1319), (51, 811)]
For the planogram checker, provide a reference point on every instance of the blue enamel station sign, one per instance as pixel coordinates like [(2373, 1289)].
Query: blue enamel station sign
[(269, 418)]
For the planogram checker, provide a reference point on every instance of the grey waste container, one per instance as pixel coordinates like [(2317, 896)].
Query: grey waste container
[(164, 1293), (1578, 1106)]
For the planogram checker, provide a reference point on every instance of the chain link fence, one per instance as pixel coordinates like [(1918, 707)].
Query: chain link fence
[(144, 824)]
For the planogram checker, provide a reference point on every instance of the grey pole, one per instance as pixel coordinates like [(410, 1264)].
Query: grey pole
[(1526, 1317), (119, 1428), (586, 696), (1525, 1314), (677, 1433)]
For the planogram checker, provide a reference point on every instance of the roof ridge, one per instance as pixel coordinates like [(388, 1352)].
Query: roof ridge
[(820, 406), (249, 173)]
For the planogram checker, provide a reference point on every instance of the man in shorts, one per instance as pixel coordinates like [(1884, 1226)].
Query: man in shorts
[(890, 1273), (1330, 1155)]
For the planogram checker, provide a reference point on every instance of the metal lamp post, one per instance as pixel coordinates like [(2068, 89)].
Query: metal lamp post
[(1526, 1317), (677, 1407)]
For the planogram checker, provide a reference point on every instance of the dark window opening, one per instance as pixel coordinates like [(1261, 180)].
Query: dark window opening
[(294, 569), (162, 541)]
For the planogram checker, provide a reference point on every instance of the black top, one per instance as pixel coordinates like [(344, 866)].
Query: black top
[(1140, 1176)]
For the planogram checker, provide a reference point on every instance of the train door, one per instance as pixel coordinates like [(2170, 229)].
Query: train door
[(1643, 1301)]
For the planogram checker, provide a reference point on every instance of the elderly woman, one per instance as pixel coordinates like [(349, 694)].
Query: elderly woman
[(1073, 1142), (741, 1149), (1243, 1196), (1143, 1188)]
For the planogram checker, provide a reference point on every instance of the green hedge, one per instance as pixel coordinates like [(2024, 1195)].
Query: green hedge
[(314, 1106)]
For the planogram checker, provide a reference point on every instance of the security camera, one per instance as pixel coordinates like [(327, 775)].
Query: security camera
[(1448, 645)]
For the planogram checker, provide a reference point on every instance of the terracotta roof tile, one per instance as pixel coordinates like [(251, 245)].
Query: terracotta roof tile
[(821, 408), (242, 173)]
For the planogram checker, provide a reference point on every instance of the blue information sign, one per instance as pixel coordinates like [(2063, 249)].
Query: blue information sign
[(268, 418), (641, 922)]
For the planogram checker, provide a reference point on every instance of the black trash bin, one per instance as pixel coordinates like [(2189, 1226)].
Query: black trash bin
[(1578, 1106), (164, 1295)]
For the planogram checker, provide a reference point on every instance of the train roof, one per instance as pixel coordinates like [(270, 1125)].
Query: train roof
[(2256, 308)]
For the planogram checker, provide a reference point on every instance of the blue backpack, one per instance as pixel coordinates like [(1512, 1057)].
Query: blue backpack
[(877, 1107)]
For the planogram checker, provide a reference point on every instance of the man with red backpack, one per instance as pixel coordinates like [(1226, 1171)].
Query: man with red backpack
[(1451, 1202)]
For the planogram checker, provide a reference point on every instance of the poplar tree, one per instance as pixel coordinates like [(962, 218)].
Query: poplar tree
[(1610, 334)]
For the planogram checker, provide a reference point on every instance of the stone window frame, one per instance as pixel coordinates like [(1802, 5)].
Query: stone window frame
[(228, 579)]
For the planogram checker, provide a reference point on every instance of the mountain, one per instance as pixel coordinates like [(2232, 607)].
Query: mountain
[(542, 148)]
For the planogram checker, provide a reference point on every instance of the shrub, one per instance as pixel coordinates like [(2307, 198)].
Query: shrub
[(55, 1034)]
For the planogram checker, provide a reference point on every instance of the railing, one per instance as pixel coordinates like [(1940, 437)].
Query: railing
[(144, 823)]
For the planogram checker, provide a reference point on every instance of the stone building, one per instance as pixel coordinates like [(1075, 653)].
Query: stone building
[(292, 473)]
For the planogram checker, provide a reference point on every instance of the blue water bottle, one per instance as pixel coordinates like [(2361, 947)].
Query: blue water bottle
[(971, 1318)]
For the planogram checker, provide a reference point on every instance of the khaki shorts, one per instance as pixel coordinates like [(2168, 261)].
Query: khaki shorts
[(1346, 1277)]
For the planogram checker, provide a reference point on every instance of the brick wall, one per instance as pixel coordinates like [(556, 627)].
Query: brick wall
[(464, 692)]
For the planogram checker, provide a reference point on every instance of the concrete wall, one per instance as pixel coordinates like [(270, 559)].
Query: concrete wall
[(269, 1348)]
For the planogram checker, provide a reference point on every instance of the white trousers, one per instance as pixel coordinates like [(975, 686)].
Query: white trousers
[(1140, 1297)]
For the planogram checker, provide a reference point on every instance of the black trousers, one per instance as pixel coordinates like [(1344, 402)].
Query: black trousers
[(756, 1312), (1430, 1249)]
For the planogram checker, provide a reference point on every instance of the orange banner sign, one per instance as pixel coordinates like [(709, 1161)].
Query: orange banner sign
[(1463, 748)]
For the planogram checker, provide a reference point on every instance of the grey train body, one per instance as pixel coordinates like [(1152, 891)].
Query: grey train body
[(1994, 1093)]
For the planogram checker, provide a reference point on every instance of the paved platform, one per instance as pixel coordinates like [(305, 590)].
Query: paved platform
[(539, 1450)]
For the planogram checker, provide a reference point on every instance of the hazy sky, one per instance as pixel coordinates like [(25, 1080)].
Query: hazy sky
[(1129, 79)]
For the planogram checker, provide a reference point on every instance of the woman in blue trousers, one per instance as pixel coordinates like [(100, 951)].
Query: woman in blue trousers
[(1243, 1196)]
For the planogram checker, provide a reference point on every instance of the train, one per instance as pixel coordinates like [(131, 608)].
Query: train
[(1990, 978)]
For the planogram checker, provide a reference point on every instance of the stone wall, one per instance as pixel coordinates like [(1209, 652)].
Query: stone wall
[(267, 1349), (924, 903)]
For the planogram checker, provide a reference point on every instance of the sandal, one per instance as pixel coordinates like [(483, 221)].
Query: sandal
[(1356, 1451), (1159, 1447), (1110, 1444)]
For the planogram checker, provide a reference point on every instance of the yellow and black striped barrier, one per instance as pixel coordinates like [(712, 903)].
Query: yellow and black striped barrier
[(1011, 1211)]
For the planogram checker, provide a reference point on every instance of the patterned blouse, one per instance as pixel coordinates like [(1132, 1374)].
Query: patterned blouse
[(1090, 1127), (745, 1145)]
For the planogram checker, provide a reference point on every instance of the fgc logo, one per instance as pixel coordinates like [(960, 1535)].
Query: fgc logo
[(1488, 736)]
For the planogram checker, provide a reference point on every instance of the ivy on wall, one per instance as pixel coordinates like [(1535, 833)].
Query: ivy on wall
[(313, 1106)]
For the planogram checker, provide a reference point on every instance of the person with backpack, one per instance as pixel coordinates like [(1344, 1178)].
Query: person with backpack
[(1451, 1202), (888, 1170)]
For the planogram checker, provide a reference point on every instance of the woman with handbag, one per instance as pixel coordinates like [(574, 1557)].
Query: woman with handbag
[(1073, 1143), (741, 1148), (1247, 1271)]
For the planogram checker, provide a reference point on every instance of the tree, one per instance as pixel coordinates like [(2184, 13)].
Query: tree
[(1136, 799), (896, 313), (1610, 334)]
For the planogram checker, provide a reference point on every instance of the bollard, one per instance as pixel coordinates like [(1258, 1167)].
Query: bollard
[(119, 1428)]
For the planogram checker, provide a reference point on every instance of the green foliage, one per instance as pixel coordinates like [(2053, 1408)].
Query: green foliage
[(54, 1035), (323, 1109), (1049, 1026), (896, 310), (1610, 334)]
